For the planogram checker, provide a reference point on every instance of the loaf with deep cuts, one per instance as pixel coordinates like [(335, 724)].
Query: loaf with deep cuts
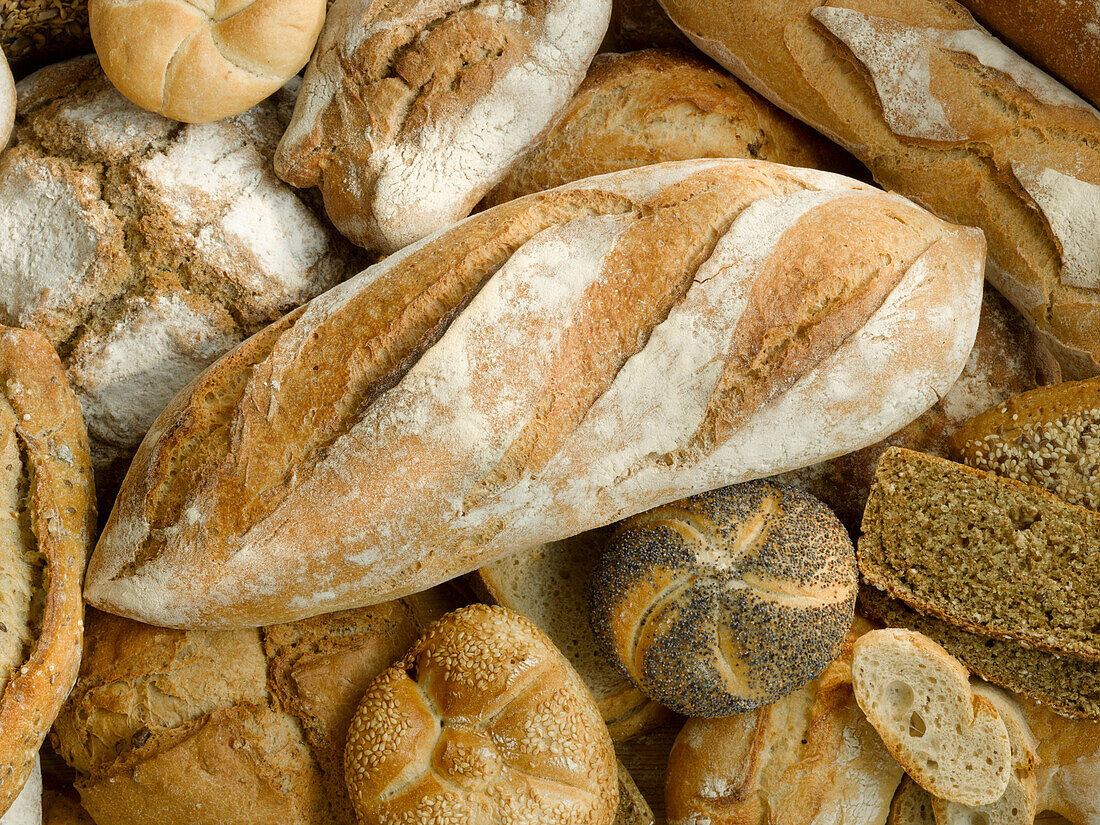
[(548, 366)]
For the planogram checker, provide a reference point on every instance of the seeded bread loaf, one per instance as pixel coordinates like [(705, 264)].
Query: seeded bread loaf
[(727, 600), (945, 113), (550, 585), (1049, 438), (34, 33), (411, 112), (546, 367), (988, 554), (47, 520), (654, 106), (1068, 684), (810, 757), (143, 249), (495, 727)]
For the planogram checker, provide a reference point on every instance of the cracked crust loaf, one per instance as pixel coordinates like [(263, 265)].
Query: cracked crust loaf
[(484, 721), (411, 111), (143, 249), (203, 61), (548, 366), (47, 520), (728, 600), (654, 106), (943, 112)]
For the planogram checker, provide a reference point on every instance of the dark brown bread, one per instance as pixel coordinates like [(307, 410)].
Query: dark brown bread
[(987, 554)]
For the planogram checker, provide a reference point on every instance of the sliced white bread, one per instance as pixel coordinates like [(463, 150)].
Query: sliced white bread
[(912, 805), (549, 585), (952, 742), (1018, 804)]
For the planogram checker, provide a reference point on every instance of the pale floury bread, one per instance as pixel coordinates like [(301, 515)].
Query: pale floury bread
[(937, 108), (203, 60), (27, 808), (727, 600), (7, 101), (951, 740), (143, 249), (47, 519), (411, 110), (548, 366), (484, 722), (812, 757), (912, 805)]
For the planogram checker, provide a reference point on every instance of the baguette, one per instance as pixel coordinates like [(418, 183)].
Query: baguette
[(942, 112), (548, 366)]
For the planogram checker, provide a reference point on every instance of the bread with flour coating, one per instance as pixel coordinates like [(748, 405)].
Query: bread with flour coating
[(548, 366), (945, 113)]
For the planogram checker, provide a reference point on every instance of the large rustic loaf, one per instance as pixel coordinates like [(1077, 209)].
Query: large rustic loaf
[(943, 112), (546, 367), (411, 111), (47, 519), (143, 249)]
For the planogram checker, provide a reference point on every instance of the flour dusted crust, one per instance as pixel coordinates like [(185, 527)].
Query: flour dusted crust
[(143, 249), (27, 808), (47, 519), (412, 110), (400, 377), (944, 112)]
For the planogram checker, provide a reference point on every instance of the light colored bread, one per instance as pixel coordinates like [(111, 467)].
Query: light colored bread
[(34, 33), (27, 808), (988, 554), (256, 718), (952, 742), (702, 380), (727, 600), (410, 113), (1068, 764), (143, 250), (1049, 438), (1018, 805), (1061, 37), (198, 63), (7, 101), (1007, 359), (495, 727), (655, 106), (633, 808), (810, 757), (550, 586), (912, 805), (934, 106), (47, 520)]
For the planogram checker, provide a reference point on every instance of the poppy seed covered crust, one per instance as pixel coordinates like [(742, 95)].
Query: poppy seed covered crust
[(728, 600)]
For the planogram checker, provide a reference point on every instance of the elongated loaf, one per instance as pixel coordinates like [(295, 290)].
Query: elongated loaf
[(945, 113), (543, 368)]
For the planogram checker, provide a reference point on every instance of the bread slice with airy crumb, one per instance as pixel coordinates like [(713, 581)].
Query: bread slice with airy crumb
[(988, 554), (1018, 804), (918, 697), (912, 805)]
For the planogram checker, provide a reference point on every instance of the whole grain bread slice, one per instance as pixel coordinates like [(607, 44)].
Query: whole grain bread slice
[(988, 554), (1067, 684)]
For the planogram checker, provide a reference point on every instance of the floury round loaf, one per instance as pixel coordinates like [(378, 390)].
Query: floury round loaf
[(545, 367)]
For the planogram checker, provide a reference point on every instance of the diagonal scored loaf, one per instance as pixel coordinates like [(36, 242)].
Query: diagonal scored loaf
[(545, 367)]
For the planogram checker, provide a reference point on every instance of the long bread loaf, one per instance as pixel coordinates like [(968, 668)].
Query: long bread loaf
[(542, 368)]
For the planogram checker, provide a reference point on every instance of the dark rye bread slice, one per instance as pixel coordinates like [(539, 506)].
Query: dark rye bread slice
[(987, 554), (1067, 684)]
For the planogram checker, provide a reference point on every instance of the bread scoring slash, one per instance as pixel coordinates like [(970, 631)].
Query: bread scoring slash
[(545, 367)]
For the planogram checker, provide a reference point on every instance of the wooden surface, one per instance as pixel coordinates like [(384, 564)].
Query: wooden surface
[(646, 758)]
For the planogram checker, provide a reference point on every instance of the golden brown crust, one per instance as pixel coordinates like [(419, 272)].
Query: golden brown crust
[(51, 435)]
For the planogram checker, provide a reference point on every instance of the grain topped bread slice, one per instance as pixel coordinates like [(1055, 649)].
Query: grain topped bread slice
[(1048, 437), (918, 697), (988, 554), (47, 517), (549, 585)]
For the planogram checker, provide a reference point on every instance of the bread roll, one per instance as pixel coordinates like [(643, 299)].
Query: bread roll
[(945, 113), (7, 102), (484, 721), (143, 250), (198, 63), (810, 757), (410, 113), (655, 106), (47, 519), (545, 367), (951, 740), (728, 600)]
